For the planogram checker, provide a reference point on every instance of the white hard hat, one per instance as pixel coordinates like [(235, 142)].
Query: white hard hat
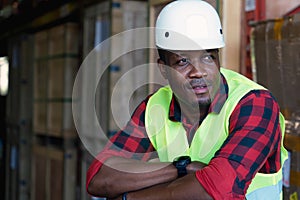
[(189, 25)]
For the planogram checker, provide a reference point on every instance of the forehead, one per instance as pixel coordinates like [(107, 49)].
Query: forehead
[(176, 53)]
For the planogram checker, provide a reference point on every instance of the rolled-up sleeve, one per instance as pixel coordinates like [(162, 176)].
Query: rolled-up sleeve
[(253, 145)]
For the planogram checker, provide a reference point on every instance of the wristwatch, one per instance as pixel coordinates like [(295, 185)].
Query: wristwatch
[(180, 163)]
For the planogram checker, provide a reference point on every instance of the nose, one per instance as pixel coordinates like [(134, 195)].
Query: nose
[(197, 70)]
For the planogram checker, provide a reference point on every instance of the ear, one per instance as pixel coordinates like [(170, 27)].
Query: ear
[(162, 68)]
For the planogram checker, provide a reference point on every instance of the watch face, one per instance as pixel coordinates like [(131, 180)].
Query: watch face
[(183, 160)]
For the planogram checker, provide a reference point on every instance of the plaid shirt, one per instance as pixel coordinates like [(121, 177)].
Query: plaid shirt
[(253, 144)]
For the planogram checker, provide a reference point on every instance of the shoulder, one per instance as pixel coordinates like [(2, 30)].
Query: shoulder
[(258, 108), (258, 96), (140, 109), (257, 103)]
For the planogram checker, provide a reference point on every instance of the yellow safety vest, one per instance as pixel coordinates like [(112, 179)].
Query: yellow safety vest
[(170, 140)]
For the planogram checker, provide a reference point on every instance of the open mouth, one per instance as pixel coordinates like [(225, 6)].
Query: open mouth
[(200, 89), (199, 86)]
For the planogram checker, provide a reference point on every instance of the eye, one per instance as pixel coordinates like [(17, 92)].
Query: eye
[(208, 59), (182, 62)]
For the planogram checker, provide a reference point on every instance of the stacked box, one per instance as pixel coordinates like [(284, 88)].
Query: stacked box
[(40, 95), (97, 27), (54, 172), (63, 39), (56, 78), (26, 113), (39, 172), (62, 72), (60, 120), (54, 116), (41, 44), (39, 117), (61, 76), (56, 65), (40, 81), (55, 69), (125, 77), (47, 173)]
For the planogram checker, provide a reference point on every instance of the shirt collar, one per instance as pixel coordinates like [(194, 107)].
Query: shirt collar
[(215, 106)]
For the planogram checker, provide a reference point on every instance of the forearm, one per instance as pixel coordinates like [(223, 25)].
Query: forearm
[(187, 187), (183, 188), (119, 175)]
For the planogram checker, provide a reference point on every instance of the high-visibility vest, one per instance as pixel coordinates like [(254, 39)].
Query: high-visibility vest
[(170, 140)]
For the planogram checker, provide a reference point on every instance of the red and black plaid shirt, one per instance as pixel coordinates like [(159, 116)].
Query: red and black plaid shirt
[(253, 144)]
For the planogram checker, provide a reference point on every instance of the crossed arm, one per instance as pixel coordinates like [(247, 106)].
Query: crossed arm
[(146, 180)]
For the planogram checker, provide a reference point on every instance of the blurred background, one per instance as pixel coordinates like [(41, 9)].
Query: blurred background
[(43, 43)]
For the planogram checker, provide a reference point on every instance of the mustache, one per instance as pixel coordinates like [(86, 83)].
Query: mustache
[(199, 82)]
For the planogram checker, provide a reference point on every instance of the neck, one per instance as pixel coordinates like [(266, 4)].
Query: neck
[(194, 114)]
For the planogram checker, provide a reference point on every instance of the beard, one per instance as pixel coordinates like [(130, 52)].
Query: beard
[(204, 102)]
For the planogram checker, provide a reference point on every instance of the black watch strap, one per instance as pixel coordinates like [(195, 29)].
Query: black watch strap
[(124, 196), (181, 171), (180, 163)]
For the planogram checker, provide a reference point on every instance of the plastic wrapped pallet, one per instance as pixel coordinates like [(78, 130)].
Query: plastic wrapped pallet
[(291, 63), (274, 59), (259, 34), (277, 45)]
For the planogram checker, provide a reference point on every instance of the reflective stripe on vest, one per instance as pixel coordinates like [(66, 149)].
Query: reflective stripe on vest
[(170, 141)]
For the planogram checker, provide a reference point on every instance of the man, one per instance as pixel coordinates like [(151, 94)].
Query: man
[(217, 134)]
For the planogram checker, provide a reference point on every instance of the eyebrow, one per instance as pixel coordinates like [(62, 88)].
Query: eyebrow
[(212, 50), (183, 54)]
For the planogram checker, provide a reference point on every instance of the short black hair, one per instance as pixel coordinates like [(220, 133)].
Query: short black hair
[(162, 54)]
